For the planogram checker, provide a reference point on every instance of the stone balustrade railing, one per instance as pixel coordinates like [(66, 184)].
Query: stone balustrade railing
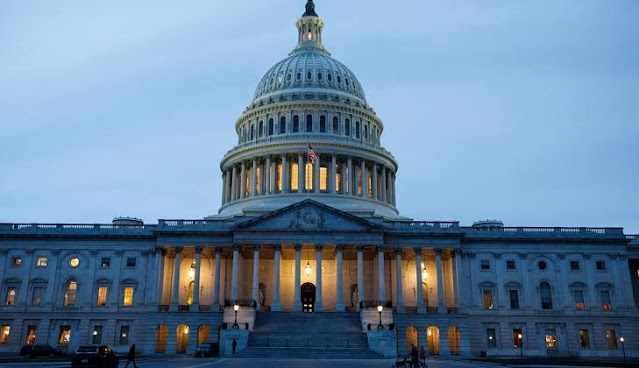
[(545, 231), (421, 225)]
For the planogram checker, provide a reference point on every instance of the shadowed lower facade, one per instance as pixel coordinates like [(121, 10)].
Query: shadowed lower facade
[(308, 244)]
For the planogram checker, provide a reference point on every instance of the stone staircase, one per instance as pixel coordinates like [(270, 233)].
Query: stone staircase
[(308, 336)]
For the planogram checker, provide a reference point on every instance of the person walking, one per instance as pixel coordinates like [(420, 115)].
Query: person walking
[(422, 356), (414, 356), (131, 357)]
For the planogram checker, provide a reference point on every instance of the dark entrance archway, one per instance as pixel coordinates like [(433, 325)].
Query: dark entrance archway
[(308, 297)]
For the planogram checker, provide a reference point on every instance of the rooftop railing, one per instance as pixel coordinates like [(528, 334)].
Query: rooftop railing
[(73, 226), (578, 231), (422, 225)]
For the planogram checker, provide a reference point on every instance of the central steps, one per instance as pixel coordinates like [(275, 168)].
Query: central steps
[(308, 336)]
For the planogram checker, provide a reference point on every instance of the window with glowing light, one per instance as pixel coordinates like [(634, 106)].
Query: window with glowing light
[(31, 335), (606, 303), (488, 299), (102, 296), (42, 262), (294, 177), (70, 293), (124, 335), (359, 180), (338, 178), (258, 180), (279, 177), (580, 303), (128, 296), (491, 338), (584, 339), (370, 184), (10, 299), (36, 298), (323, 178), (64, 337), (551, 339), (611, 339), (517, 340), (308, 184), (5, 330)]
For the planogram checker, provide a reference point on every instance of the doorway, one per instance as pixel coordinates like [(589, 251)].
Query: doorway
[(308, 297)]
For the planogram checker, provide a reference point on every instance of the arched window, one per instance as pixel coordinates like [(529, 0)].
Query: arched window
[(545, 294), (357, 130), (366, 132), (309, 123), (260, 130), (322, 124), (454, 340), (294, 177), (282, 125), (70, 293), (203, 333), (412, 338), (319, 76), (189, 296), (296, 124), (323, 177), (279, 177), (338, 178), (309, 75), (432, 333), (347, 128), (330, 77), (271, 126), (335, 125), (252, 132), (161, 338)]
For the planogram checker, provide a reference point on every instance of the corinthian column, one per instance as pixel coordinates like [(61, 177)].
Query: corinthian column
[(275, 305), (398, 267), (318, 279), (256, 276), (441, 304), (297, 302), (381, 289), (339, 277), (360, 275), (418, 276), (175, 295)]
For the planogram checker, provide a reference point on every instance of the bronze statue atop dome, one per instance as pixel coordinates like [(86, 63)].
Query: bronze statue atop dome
[(310, 9)]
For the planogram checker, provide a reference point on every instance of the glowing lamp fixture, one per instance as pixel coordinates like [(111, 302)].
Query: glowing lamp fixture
[(236, 307), (429, 332), (380, 309), (95, 333), (520, 336), (307, 269), (186, 330), (424, 272)]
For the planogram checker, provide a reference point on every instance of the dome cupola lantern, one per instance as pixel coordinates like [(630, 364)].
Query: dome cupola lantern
[(309, 105)]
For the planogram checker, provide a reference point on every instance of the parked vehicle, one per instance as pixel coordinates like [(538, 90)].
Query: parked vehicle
[(95, 356), (34, 351), (206, 350)]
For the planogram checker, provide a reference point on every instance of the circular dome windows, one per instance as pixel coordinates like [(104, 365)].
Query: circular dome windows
[(74, 262)]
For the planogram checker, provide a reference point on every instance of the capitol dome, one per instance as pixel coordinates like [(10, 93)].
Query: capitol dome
[(309, 134)]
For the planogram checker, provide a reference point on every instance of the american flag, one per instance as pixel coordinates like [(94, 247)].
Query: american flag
[(311, 154)]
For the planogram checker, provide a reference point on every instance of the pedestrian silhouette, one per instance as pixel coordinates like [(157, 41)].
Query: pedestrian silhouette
[(234, 346), (131, 357), (422, 356), (414, 356)]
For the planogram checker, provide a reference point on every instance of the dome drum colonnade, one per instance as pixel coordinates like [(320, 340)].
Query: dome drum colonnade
[(309, 100)]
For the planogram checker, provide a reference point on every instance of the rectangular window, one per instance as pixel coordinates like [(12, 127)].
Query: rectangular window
[(294, 178), (491, 338), (131, 261), (580, 303), (611, 339), (606, 303), (370, 185), (488, 299), (31, 335), (517, 338), (4, 334), (514, 299), (323, 178), (511, 266), (106, 262), (128, 296), (64, 337), (124, 335), (36, 299), (601, 265), (584, 339), (16, 261), (97, 335), (11, 296), (485, 265), (42, 262), (551, 339), (258, 180), (308, 184), (338, 178), (279, 177), (358, 180), (102, 296), (574, 265)]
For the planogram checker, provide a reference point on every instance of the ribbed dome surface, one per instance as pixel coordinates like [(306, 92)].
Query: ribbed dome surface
[(309, 70)]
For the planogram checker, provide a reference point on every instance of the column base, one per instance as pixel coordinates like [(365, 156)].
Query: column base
[(276, 307), (340, 307)]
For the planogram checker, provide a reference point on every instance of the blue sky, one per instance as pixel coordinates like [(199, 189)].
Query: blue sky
[(523, 111)]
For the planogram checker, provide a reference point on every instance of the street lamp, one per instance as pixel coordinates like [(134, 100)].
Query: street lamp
[(380, 309), (521, 344), (236, 308), (623, 348)]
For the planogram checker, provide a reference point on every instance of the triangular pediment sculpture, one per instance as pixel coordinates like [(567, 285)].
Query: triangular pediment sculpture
[(309, 215)]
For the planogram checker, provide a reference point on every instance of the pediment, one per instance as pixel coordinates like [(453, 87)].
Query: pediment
[(309, 216)]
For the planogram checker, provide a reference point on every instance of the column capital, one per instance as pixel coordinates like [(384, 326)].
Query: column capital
[(318, 247), (360, 248), (278, 247), (198, 249), (418, 250), (178, 249), (398, 251), (339, 247), (438, 252), (218, 250), (380, 248), (159, 250), (298, 247), (497, 255), (236, 246), (257, 247)]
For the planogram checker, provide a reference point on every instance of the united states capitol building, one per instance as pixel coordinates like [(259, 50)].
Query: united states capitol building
[(309, 255)]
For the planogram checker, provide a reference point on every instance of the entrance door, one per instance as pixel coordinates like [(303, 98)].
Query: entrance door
[(308, 297)]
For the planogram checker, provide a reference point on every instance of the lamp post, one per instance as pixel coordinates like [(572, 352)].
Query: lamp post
[(623, 348), (380, 309), (236, 308), (521, 344)]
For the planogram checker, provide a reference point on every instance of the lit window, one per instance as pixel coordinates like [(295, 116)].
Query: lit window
[(545, 294), (11, 296), (294, 177), (128, 296), (551, 339), (106, 262), (601, 265), (584, 339), (74, 262), (611, 339), (580, 303), (308, 185), (36, 300), (491, 338), (338, 178), (124, 335), (517, 338), (4, 334), (485, 265), (370, 184), (359, 181), (606, 303), (97, 335), (279, 177), (16, 262), (41, 262), (31, 335), (64, 336), (323, 178), (488, 299), (511, 266), (70, 293), (102, 296)]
